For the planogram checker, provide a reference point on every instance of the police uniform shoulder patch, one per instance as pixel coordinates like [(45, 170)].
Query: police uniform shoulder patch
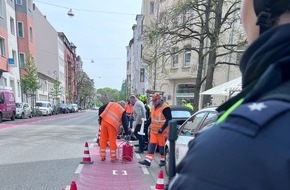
[(251, 117)]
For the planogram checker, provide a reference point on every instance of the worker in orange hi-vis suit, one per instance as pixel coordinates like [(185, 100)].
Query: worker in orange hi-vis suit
[(112, 116), (160, 117)]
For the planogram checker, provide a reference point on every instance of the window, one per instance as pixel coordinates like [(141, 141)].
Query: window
[(2, 47), (151, 10), (4, 81), (1, 9), (30, 34), (12, 29), (187, 56), (142, 75), (21, 60), (30, 5), (20, 29), (175, 57), (14, 56), (185, 88), (18, 2)]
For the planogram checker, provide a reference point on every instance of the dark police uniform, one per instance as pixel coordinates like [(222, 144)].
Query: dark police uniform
[(249, 148)]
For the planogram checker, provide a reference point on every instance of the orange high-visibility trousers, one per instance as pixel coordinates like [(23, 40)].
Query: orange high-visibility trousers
[(156, 139), (108, 132)]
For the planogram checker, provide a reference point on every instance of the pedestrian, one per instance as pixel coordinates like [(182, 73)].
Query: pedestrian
[(143, 98), (138, 113), (129, 108), (160, 117), (248, 148), (111, 116), (188, 104)]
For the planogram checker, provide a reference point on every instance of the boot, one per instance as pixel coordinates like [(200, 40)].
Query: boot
[(161, 163), (145, 163)]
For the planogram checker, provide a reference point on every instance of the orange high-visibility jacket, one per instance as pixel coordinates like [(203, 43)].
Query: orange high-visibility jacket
[(113, 114), (157, 118), (129, 109)]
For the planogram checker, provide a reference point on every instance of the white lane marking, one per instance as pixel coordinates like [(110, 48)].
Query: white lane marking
[(79, 169), (124, 172), (145, 171), (152, 187), (67, 187), (138, 156), (115, 172)]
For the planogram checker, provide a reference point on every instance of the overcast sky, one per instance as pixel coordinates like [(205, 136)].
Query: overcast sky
[(102, 37)]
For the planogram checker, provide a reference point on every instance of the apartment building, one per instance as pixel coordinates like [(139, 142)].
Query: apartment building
[(70, 64), (25, 34), (49, 67), (176, 74), (11, 78)]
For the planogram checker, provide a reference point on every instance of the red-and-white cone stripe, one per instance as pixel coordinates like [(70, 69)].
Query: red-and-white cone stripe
[(160, 181), (87, 157)]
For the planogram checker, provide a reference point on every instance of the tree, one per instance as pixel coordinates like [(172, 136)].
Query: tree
[(107, 94), (56, 90), (85, 89), (29, 80), (203, 27)]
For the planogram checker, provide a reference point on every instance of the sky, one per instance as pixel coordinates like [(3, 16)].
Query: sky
[(99, 31)]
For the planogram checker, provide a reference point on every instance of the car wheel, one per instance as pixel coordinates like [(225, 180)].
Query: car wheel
[(167, 161), (22, 115), (13, 116)]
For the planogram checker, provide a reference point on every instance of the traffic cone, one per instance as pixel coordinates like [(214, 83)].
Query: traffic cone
[(160, 181), (87, 157), (73, 185)]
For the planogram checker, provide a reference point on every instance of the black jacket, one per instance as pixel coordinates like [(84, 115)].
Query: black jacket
[(250, 149)]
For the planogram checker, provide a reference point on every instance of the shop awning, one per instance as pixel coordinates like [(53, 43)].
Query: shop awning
[(226, 89)]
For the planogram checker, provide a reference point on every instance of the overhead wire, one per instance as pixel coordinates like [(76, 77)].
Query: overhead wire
[(86, 10)]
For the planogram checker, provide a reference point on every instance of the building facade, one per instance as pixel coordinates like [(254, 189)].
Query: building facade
[(175, 74)]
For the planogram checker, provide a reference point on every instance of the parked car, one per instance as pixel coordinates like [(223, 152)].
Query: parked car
[(23, 110), (45, 107), (63, 108), (75, 107), (55, 110), (180, 113), (201, 120), (70, 108), (7, 105)]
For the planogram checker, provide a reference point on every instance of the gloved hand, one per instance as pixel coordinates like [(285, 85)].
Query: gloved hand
[(127, 137), (160, 131)]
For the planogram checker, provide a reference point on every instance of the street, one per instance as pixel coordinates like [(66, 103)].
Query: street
[(45, 153)]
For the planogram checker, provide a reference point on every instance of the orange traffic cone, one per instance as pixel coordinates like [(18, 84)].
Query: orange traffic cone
[(87, 157), (160, 181), (73, 185)]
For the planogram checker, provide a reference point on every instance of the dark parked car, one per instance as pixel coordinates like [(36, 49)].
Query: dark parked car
[(55, 110), (70, 108), (63, 108), (180, 113)]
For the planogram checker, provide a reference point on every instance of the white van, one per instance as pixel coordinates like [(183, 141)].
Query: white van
[(44, 106)]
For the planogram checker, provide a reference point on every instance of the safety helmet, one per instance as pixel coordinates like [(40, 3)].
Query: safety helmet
[(268, 10), (183, 101), (143, 98)]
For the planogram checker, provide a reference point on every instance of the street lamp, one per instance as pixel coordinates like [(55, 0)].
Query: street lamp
[(70, 13)]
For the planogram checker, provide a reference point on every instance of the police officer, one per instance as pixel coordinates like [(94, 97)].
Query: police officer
[(249, 146)]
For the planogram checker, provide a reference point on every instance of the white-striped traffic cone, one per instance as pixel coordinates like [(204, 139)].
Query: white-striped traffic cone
[(160, 181), (87, 157)]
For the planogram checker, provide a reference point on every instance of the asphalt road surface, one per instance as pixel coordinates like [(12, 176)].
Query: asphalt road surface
[(44, 153)]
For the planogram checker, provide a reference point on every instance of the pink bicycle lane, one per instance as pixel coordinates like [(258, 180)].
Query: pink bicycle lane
[(105, 175)]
